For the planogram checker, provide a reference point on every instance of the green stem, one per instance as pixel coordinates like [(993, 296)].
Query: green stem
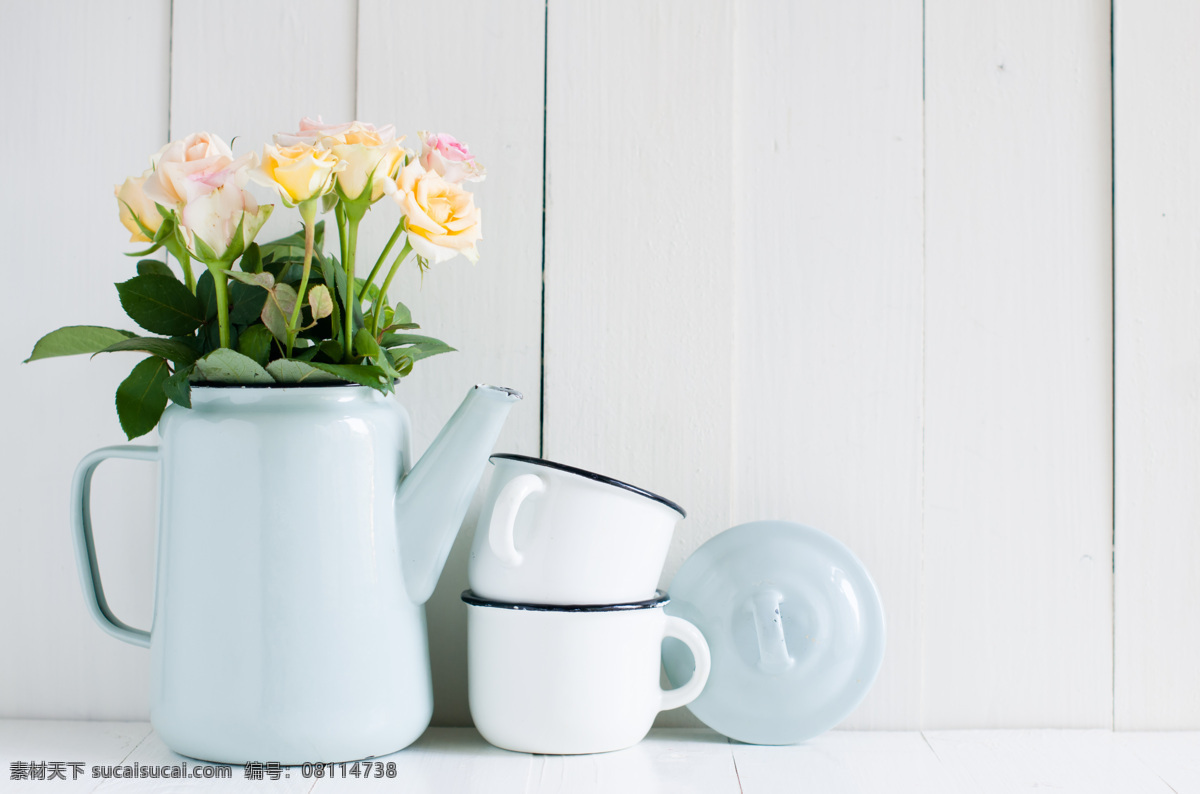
[(176, 249), (221, 289), (351, 245), (308, 211), (387, 282), (185, 262), (339, 212), (387, 249)]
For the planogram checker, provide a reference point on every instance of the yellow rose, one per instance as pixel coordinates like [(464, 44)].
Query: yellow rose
[(366, 151), (299, 172), (133, 201), (442, 220)]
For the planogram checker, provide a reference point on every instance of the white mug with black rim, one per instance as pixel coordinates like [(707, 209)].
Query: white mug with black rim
[(563, 680), (554, 534)]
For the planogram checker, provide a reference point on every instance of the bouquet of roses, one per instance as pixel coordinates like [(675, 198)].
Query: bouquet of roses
[(283, 312)]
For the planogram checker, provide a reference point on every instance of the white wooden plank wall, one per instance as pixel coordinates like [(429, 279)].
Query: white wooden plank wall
[(827, 318), (843, 263), (639, 252), (1158, 364), (487, 91), (94, 115), (1018, 365)]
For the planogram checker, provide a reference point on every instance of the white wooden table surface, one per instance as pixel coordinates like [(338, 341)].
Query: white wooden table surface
[(458, 761)]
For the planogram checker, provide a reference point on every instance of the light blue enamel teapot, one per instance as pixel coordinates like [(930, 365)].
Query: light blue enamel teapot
[(297, 546)]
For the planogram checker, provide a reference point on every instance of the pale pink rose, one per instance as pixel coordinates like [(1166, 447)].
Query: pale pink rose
[(132, 199), (185, 169), (441, 218), (449, 157), (313, 131), (214, 216)]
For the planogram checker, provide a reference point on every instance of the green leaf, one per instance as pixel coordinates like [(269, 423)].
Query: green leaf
[(171, 349), (362, 374), (251, 261), (229, 366), (320, 301), (278, 309), (292, 246), (372, 292), (140, 397), (255, 342), (206, 293), (329, 270), (152, 267), (401, 314), (178, 387), (288, 371), (161, 305), (245, 303), (401, 361), (306, 354), (365, 344), (331, 349), (387, 363), (318, 236), (75, 340), (415, 346), (264, 280)]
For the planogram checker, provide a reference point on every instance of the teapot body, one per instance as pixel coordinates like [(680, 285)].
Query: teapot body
[(282, 630)]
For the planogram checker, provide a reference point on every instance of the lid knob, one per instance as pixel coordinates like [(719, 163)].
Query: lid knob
[(773, 656)]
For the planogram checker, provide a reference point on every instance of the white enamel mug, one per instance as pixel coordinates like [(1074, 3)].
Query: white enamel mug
[(570, 680), (554, 534)]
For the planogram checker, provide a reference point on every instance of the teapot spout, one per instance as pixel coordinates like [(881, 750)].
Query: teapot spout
[(433, 498)]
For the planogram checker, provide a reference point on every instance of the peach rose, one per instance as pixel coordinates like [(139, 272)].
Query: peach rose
[(131, 196), (364, 149), (442, 220), (300, 173), (449, 157)]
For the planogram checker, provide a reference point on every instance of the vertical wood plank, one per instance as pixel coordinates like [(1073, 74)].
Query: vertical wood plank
[(245, 71), (639, 255), (1157, 80), (827, 320), (488, 91), (86, 101), (1018, 379)]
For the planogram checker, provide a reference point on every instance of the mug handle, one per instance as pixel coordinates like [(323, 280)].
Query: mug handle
[(504, 516), (682, 630), (85, 545)]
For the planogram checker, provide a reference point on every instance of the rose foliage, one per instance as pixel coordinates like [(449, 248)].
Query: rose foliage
[(285, 312)]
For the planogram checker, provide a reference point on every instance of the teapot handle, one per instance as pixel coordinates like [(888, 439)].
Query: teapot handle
[(85, 546), (504, 516)]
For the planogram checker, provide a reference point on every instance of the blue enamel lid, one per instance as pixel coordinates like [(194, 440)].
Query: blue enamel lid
[(795, 626)]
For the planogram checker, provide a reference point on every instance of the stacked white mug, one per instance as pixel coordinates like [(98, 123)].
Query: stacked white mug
[(564, 622)]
